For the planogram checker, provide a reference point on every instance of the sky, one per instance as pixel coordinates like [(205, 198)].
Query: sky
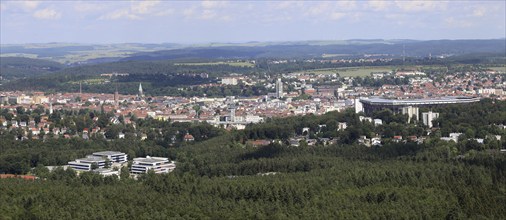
[(243, 21)]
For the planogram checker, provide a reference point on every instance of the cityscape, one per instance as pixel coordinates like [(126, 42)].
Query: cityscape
[(253, 110)]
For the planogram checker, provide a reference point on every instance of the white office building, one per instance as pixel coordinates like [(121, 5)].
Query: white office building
[(113, 156), (428, 117), (84, 164), (157, 164), (107, 172)]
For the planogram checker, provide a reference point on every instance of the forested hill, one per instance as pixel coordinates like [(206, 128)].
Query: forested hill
[(19, 67), (410, 48)]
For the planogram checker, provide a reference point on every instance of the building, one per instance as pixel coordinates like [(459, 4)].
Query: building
[(341, 126), (229, 81), (85, 164), (113, 156), (428, 117), (106, 172), (142, 165), (279, 88), (141, 92), (411, 112), (397, 105), (188, 137), (359, 107)]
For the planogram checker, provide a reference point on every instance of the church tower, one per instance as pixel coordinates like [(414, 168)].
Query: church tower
[(141, 94)]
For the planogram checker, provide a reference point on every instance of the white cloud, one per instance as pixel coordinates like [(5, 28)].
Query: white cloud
[(208, 10), (120, 14), (88, 7), (378, 5), (3, 6), (337, 15), (318, 9), (47, 13), (213, 4), (143, 7), (139, 10), (421, 5), (346, 5), (479, 12), (29, 5), (24, 6), (458, 23)]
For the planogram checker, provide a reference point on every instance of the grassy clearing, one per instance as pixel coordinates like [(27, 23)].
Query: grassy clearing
[(240, 64), (352, 71), (501, 69), (91, 81)]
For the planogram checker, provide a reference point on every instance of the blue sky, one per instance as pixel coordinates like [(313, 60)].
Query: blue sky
[(243, 21)]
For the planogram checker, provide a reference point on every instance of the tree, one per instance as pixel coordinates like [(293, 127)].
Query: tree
[(124, 173), (94, 166)]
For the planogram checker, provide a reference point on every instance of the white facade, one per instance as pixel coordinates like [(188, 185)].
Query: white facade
[(378, 121), (359, 107), (279, 88), (107, 172), (411, 111), (427, 118), (157, 164), (341, 126), (84, 164), (229, 81), (113, 156)]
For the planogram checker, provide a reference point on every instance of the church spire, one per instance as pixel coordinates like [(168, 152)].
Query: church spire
[(141, 94)]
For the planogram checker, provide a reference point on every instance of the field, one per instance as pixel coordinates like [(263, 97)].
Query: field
[(240, 64), (352, 71), (501, 69)]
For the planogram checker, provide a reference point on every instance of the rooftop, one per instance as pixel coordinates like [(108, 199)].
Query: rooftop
[(149, 159), (108, 153), (441, 100)]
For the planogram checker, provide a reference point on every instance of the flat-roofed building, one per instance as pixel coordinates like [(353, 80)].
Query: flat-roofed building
[(142, 165), (106, 172), (113, 156), (85, 164), (398, 105)]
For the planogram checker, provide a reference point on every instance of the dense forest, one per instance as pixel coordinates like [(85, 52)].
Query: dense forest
[(222, 176), (19, 67)]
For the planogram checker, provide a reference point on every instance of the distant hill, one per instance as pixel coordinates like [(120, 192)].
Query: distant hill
[(79, 54), (20, 67), (351, 48)]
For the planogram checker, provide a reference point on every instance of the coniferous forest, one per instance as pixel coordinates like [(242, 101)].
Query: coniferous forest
[(225, 177)]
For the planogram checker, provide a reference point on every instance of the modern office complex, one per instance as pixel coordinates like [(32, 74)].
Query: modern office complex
[(113, 156), (85, 164), (157, 164)]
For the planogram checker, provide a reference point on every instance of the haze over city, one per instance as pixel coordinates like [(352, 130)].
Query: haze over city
[(229, 21)]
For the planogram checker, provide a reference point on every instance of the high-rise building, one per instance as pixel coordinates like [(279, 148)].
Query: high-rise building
[(279, 88), (411, 111), (428, 117)]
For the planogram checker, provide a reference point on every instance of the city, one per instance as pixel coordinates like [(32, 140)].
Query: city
[(150, 109)]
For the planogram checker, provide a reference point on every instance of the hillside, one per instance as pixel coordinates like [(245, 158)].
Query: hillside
[(352, 48), (20, 67)]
